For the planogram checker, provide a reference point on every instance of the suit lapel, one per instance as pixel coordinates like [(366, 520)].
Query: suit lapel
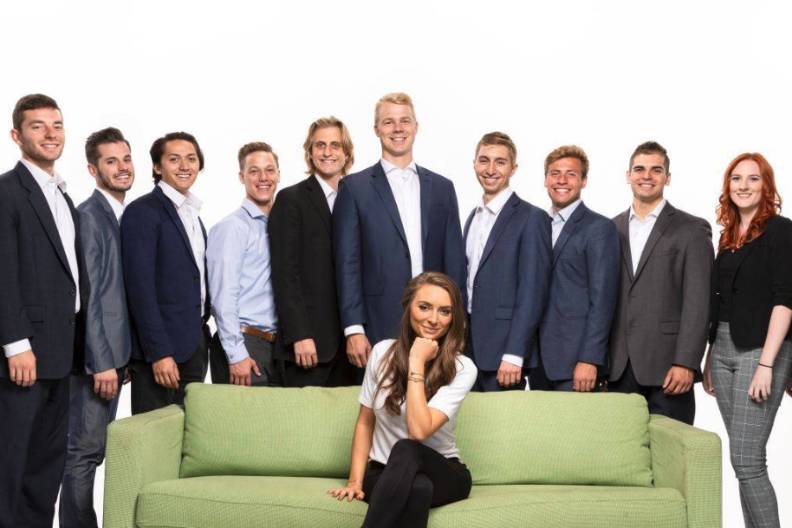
[(623, 227), (174, 216), (382, 187), (467, 224), (42, 210), (569, 229), (662, 223), (317, 198), (500, 226), (426, 197), (110, 216)]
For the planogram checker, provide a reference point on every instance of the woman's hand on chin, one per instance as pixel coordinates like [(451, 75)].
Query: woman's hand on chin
[(424, 349)]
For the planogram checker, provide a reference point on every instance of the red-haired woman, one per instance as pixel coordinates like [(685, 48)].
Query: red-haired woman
[(750, 357), (404, 456)]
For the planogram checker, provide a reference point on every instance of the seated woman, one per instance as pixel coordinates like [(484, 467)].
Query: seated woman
[(404, 456), (750, 359)]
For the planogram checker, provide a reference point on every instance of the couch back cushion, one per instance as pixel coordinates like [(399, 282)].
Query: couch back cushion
[(555, 438), (505, 438), (230, 430)]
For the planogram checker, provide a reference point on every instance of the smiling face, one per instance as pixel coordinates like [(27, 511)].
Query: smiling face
[(564, 180), (179, 165), (396, 128), (745, 186), (114, 171), (431, 312), (494, 168), (327, 152), (260, 175), (648, 177), (41, 136)]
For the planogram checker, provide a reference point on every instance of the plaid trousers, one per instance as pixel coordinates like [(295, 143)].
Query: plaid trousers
[(749, 423)]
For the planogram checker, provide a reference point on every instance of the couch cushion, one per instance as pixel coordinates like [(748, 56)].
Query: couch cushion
[(293, 502), (230, 430), (555, 438)]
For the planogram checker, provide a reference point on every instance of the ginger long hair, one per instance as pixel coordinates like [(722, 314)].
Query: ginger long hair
[(394, 366), (729, 216)]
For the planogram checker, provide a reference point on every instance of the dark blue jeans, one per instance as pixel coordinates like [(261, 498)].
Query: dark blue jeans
[(89, 416)]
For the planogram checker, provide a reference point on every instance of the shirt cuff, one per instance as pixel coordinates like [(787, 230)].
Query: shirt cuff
[(354, 329), (17, 347), (511, 358), (236, 353)]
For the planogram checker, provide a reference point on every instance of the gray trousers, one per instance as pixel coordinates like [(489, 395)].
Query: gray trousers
[(748, 423), (89, 415)]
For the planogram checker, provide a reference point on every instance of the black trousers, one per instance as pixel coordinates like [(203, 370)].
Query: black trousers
[(148, 395), (260, 350), (487, 381), (34, 424), (415, 479), (338, 372), (681, 407)]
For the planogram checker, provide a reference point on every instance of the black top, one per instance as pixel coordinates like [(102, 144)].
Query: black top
[(728, 263), (761, 279)]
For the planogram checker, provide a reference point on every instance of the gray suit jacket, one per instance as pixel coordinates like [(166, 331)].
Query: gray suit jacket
[(663, 309), (107, 336)]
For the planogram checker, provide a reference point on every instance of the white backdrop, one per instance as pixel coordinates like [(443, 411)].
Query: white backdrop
[(706, 79)]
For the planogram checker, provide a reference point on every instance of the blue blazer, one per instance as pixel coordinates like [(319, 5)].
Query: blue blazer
[(583, 294), (371, 254), (510, 287), (162, 279)]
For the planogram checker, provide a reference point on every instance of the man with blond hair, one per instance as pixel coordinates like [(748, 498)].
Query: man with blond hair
[(391, 222), (573, 337), (507, 242), (303, 273)]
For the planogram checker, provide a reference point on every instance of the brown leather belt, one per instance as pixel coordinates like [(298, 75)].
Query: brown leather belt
[(255, 332)]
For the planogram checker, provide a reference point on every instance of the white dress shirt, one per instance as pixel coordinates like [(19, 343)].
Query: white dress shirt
[(115, 205), (188, 206), (53, 188), (560, 218), (406, 189), (479, 231), (329, 192), (640, 231)]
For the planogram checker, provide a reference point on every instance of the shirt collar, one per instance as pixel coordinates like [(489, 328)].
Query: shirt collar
[(252, 209), (567, 211), (115, 205), (655, 213), (178, 198), (496, 204), (389, 167), (326, 189), (42, 177)]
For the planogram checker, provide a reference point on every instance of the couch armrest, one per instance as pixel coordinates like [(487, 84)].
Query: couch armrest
[(689, 460), (141, 449)]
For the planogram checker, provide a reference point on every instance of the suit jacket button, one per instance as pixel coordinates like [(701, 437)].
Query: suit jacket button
[(73, 291)]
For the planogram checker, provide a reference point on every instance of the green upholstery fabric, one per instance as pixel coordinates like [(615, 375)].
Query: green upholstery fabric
[(302, 502), (555, 438), (688, 459), (232, 430)]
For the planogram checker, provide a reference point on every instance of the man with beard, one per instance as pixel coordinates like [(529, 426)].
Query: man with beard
[(95, 387), (42, 291)]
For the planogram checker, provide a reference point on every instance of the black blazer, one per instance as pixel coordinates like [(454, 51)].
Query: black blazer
[(37, 290), (763, 279), (303, 275)]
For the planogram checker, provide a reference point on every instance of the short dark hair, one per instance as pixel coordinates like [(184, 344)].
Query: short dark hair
[(31, 102), (102, 137), (256, 146), (651, 147), (158, 149)]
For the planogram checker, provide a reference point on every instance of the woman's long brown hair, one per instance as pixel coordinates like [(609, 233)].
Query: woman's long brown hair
[(394, 366), (729, 216)]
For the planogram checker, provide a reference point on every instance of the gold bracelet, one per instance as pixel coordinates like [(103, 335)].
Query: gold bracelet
[(416, 378)]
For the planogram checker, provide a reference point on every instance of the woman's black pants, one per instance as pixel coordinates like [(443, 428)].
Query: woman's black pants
[(415, 479)]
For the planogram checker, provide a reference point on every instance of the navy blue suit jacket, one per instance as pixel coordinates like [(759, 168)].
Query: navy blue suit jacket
[(371, 254), (163, 283), (510, 287), (583, 294)]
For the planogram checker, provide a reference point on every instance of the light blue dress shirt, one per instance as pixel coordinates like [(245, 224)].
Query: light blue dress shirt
[(240, 283)]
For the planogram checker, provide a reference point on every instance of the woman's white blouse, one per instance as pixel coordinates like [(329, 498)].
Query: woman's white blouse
[(388, 429)]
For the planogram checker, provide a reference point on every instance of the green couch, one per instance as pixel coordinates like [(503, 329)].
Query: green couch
[(261, 457)]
